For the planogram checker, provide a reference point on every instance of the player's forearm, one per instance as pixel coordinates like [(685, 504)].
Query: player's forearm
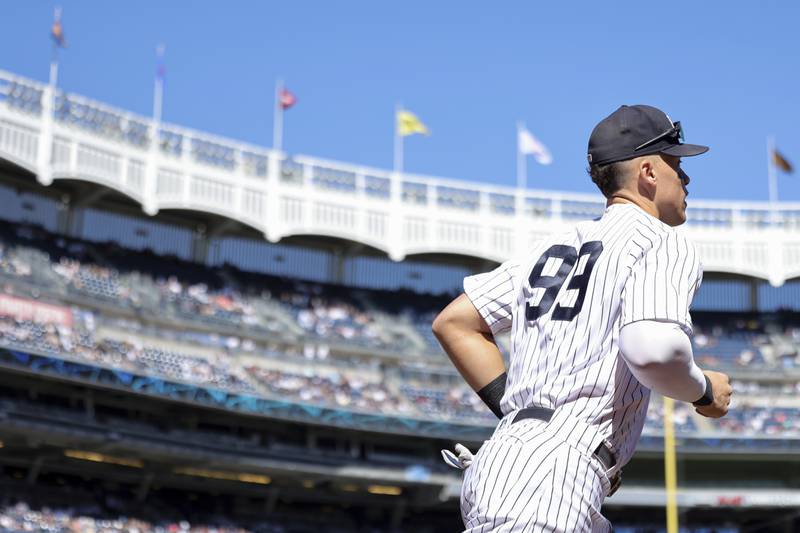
[(474, 354), (479, 362), (466, 339), (659, 355)]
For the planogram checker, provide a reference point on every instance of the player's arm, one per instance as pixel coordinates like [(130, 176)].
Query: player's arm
[(656, 324), (659, 354), (468, 341)]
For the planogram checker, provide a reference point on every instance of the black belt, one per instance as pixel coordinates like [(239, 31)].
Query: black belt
[(602, 452)]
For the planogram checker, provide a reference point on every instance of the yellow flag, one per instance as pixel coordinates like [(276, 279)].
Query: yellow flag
[(408, 124)]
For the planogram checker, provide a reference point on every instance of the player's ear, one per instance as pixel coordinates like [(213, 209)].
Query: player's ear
[(646, 176), (647, 169)]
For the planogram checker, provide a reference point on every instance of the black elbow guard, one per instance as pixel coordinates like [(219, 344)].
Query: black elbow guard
[(493, 393)]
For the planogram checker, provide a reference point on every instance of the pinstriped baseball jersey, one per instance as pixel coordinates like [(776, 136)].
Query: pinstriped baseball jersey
[(565, 303)]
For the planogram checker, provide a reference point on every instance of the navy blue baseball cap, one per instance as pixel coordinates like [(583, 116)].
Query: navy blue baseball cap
[(636, 130)]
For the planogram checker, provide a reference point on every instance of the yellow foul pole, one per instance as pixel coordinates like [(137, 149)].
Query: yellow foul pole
[(670, 470)]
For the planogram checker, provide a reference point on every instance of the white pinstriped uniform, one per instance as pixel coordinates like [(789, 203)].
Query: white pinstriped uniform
[(565, 322)]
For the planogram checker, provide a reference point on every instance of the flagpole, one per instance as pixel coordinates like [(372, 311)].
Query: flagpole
[(53, 80), (398, 141), (158, 87), (48, 111), (773, 180), (522, 169), (149, 204), (277, 121)]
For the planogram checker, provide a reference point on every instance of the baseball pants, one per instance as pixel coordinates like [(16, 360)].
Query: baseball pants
[(525, 479)]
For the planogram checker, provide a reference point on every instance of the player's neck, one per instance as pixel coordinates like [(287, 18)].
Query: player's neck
[(624, 197)]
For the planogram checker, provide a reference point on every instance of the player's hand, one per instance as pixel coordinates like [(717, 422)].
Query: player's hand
[(721, 387), (460, 461)]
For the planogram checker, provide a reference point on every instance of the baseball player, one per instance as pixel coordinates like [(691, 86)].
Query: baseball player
[(599, 317)]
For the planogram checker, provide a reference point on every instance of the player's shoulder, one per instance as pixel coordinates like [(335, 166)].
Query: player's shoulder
[(673, 246), (526, 259)]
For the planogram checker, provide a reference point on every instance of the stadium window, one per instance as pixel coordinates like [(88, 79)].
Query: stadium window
[(243, 477), (387, 490), (102, 458)]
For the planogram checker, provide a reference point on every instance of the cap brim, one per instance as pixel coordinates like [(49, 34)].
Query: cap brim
[(684, 150)]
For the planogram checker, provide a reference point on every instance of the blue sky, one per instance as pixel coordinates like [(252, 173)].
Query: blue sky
[(470, 70)]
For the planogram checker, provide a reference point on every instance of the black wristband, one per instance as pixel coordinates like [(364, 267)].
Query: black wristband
[(492, 393), (708, 396)]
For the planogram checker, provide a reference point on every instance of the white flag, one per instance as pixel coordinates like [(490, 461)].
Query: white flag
[(528, 144)]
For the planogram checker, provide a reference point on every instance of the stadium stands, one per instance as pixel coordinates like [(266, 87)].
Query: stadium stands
[(187, 290), (22, 518), (326, 384), (321, 316), (328, 313), (333, 388), (746, 419)]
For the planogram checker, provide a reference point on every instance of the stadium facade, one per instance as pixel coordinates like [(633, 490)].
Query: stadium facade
[(174, 302)]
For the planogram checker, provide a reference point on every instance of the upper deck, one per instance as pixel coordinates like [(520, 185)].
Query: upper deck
[(162, 166)]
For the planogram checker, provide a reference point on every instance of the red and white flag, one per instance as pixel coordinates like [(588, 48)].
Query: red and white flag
[(287, 99)]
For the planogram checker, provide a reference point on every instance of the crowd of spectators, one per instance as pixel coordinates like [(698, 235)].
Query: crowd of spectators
[(186, 290), (326, 313), (333, 388), (771, 389), (338, 320), (79, 342), (12, 264), (746, 342), (454, 402), (199, 300), (68, 518), (377, 391), (324, 316), (681, 417), (51, 338), (749, 420), (21, 518)]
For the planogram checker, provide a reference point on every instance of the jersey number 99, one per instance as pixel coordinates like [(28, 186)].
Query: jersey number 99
[(552, 284)]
